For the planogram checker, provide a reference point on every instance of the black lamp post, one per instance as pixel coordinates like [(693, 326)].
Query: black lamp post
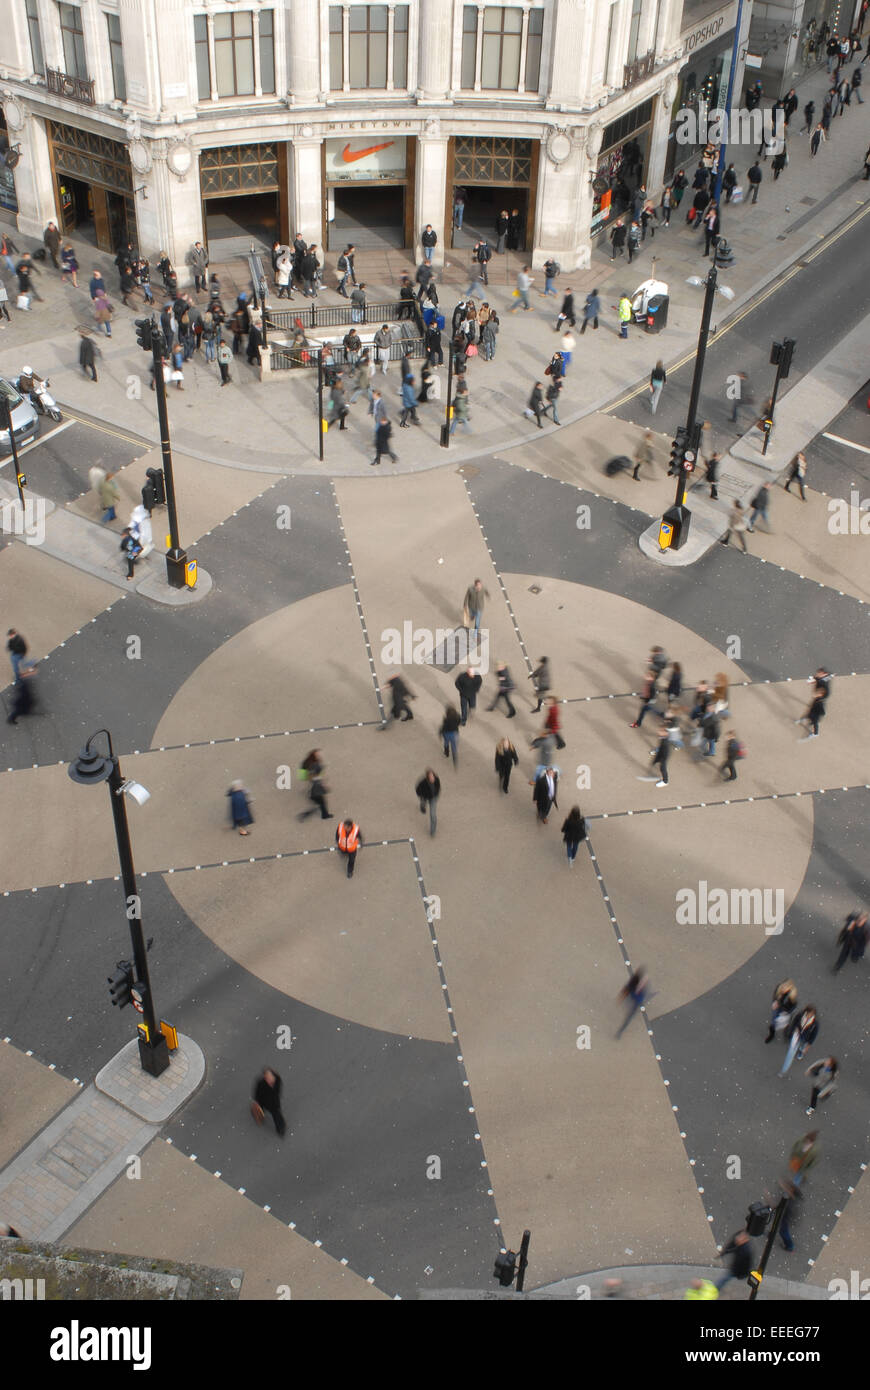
[(89, 768)]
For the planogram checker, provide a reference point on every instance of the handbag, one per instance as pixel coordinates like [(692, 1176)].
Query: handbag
[(516, 294), (257, 1112), (471, 350), (23, 301)]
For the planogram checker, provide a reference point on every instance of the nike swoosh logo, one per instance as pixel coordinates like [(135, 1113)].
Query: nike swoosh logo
[(349, 156)]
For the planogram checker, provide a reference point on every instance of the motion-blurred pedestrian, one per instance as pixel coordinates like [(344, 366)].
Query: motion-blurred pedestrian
[(852, 940), (428, 790), (240, 808), (782, 1006), (267, 1099), (468, 683), (449, 731), (635, 992), (349, 841)]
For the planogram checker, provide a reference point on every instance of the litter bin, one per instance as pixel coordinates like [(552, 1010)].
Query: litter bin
[(657, 313)]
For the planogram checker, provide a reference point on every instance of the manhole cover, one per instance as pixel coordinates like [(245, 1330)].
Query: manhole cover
[(534, 588), (809, 202)]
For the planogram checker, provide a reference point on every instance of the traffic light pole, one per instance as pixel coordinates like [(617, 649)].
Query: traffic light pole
[(14, 447), (523, 1261), (700, 355), (762, 1263), (154, 1055), (445, 428), (783, 366), (176, 558)]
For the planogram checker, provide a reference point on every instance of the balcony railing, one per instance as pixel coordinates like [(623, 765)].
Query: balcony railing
[(638, 70), (75, 88)]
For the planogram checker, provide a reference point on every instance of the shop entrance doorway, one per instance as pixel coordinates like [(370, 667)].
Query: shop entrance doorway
[(233, 224), (482, 208), (369, 215)]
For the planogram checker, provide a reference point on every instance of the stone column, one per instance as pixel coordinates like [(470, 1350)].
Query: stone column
[(306, 189), (305, 83), (571, 36), (34, 187), (430, 190), (658, 145), (435, 50), (559, 226)]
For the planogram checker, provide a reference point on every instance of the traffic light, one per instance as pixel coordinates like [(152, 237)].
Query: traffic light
[(156, 479), (781, 355), (678, 450), (144, 333), (121, 984), (505, 1268), (757, 1218)]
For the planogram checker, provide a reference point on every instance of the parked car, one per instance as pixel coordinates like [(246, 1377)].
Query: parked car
[(25, 421)]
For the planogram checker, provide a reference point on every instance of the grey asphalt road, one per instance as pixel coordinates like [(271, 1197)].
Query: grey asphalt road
[(57, 464), (838, 459), (817, 308)]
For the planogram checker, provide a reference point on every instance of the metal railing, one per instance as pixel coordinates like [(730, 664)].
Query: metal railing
[(283, 358), (76, 88), (334, 315)]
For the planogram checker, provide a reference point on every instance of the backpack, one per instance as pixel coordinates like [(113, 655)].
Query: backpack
[(484, 254), (342, 263)]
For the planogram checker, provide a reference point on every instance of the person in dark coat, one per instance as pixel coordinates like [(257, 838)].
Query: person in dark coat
[(51, 237), (383, 435), (502, 223), (468, 683), (406, 299), (400, 695), (449, 732), (733, 752), (573, 831), (852, 940), (739, 1253), (23, 698), (515, 231), (88, 355), (434, 350), (267, 1098), (535, 407), (506, 759), (545, 794), (505, 686), (617, 239), (567, 312), (428, 790), (711, 729), (240, 809), (255, 342)]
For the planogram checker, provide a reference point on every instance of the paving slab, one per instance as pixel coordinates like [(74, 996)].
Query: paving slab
[(33, 1094)]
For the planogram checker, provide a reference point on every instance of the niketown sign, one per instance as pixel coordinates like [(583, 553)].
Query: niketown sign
[(374, 156)]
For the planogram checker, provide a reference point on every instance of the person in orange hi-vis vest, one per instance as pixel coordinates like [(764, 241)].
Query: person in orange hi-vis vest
[(349, 840)]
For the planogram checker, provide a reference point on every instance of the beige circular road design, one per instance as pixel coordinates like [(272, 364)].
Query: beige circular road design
[(362, 950)]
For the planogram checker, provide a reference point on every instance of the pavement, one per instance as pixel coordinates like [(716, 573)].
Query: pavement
[(274, 424), (444, 1023)]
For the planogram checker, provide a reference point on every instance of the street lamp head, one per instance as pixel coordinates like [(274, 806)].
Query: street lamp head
[(90, 768)]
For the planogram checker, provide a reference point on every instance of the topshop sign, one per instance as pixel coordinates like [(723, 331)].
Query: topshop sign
[(711, 29)]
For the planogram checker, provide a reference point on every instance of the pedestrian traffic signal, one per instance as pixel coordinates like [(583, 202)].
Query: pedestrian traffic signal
[(121, 984), (757, 1218), (21, 479), (505, 1268), (688, 460), (144, 333)]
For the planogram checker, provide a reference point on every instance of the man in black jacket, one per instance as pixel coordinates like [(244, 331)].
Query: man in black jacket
[(310, 267), (484, 256), (566, 313), (267, 1097), (544, 795), (755, 176), (430, 241), (401, 695), (468, 684)]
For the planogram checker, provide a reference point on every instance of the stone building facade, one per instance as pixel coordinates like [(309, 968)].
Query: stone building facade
[(170, 121)]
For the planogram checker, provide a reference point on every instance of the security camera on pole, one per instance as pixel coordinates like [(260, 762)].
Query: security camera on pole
[(150, 338)]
